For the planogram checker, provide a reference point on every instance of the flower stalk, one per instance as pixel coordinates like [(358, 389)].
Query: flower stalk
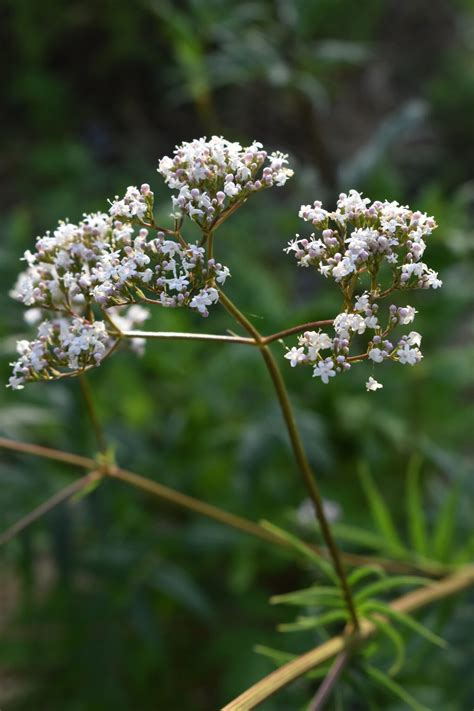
[(298, 451)]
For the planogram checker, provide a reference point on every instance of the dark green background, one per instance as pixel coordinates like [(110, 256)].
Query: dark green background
[(118, 601)]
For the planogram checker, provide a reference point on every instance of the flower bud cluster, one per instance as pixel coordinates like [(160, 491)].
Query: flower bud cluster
[(214, 176), (359, 237)]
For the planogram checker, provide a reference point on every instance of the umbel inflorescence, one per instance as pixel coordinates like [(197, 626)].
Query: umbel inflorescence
[(378, 246), (86, 283)]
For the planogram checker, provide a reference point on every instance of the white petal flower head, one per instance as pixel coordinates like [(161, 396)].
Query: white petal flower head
[(413, 339), (324, 370), (214, 175), (409, 356), (314, 341), (376, 355), (372, 384), (406, 315), (295, 356)]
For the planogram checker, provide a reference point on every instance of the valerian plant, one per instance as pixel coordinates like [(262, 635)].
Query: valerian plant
[(88, 285)]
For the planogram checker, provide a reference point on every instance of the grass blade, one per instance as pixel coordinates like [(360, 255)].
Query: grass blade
[(443, 534), (415, 512), (380, 512)]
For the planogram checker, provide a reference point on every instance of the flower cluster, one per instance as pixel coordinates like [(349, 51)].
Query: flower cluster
[(359, 237), (104, 263), (136, 204), (83, 272), (212, 177), (355, 242)]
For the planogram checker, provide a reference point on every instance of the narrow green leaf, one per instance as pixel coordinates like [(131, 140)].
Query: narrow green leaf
[(87, 489), (379, 509), (407, 620), (383, 680), (330, 597), (359, 536), (312, 623), (466, 553), (443, 534), (397, 641), (319, 672), (389, 583), (364, 572), (414, 502), (302, 548), (275, 655)]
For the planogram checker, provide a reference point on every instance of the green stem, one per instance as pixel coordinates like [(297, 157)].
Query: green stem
[(49, 504), (296, 668), (212, 512), (91, 411), (210, 245), (298, 450)]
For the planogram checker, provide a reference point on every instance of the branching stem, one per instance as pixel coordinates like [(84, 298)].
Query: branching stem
[(298, 450), (408, 603), (213, 512)]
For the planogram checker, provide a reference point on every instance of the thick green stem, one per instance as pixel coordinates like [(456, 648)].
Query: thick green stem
[(298, 450)]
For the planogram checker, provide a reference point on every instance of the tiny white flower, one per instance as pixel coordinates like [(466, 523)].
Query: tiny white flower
[(295, 356), (324, 370), (375, 354), (372, 384)]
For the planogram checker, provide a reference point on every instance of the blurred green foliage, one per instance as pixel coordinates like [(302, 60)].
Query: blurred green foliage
[(117, 601)]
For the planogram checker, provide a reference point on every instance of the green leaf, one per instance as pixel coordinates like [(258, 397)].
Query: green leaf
[(415, 512), (359, 536), (275, 655), (87, 489), (383, 680), (444, 530), (380, 511), (407, 620), (389, 583), (312, 623), (364, 572), (396, 639), (302, 548), (330, 596)]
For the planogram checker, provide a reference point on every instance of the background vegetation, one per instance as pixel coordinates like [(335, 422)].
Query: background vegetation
[(117, 601)]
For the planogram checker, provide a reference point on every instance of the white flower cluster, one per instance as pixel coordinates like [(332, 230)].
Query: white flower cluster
[(214, 176), (62, 345), (354, 243), (101, 262), (358, 237), (82, 272), (347, 326), (68, 346), (136, 204)]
